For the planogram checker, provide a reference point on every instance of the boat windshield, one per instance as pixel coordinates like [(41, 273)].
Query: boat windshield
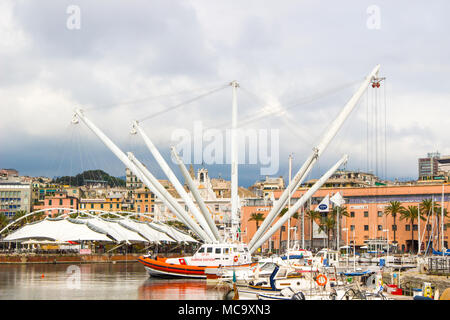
[(269, 267)]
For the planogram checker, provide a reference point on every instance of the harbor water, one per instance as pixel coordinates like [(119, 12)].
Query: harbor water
[(101, 281)]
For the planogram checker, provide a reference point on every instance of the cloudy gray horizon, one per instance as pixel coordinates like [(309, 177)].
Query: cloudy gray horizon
[(131, 59)]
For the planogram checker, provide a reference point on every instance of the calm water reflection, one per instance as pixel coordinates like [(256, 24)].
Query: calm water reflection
[(96, 281)]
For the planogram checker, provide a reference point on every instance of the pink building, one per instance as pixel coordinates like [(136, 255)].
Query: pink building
[(59, 200)]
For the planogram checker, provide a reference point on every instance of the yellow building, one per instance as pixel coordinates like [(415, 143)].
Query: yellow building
[(144, 200)]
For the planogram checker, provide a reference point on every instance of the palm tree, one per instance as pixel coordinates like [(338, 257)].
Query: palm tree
[(411, 213), (282, 212), (393, 209), (342, 213), (427, 207), (20, 214), (3, 221), (257, 217), (312, 215), (295, 216), (327, 224)]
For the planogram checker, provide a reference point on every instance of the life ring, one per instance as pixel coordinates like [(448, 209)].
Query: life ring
[(321, 280), (235, 259)]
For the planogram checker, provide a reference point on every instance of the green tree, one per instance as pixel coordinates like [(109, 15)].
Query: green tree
[(427, 207), (282, 212), (342, 213), (412, 214), (19, 214), (327, 224), (393, 209), (257, 217), (313, 216), (4, 221)]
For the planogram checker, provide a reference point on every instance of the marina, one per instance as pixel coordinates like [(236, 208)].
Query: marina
[(242, 154)]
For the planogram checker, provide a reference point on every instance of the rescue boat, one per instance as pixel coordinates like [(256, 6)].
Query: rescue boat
[(208, 257)]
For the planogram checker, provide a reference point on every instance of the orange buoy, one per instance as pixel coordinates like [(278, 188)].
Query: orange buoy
[(42, 275), (321, 280)]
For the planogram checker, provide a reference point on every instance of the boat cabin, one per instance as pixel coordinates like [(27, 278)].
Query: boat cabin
[(326, 257), (224, 254)]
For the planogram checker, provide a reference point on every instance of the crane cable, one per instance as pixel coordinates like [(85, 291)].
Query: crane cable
[(158, 113)]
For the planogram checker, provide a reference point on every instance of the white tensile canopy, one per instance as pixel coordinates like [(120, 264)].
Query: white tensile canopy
[(171, 231), (98, 229), (58, 230), (113, 229), (146, 230)]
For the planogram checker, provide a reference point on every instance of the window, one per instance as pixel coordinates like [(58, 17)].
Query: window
[(92, 205), (415, 227), (366, 214), (226, 250), (366, 227), (394, 227), (352, 227), (407, 227), (380, 213), (209, 250), (428, 227), (101, 205), (71, 202), (352, 214), (201, 250), (117, 205), (380, 227), (218, 250), (50, 202)]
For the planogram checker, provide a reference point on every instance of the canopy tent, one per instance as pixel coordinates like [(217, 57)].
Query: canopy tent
[(44, 242), (172, 232), (113, 229), (59, 230), (146, 230), (97, 229)]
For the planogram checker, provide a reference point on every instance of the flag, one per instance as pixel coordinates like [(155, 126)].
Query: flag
[(324, 205), (337, 199)]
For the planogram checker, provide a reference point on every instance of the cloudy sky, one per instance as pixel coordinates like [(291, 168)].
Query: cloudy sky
[(127, 60)]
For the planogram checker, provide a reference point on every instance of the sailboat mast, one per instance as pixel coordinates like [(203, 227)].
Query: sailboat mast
[(442, 221), (289, 206)]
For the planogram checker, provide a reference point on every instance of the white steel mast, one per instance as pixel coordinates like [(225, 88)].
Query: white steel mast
[(298, 204), (180, 214), (234, 165), (317, 151), (209, 226), (194, 191)]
